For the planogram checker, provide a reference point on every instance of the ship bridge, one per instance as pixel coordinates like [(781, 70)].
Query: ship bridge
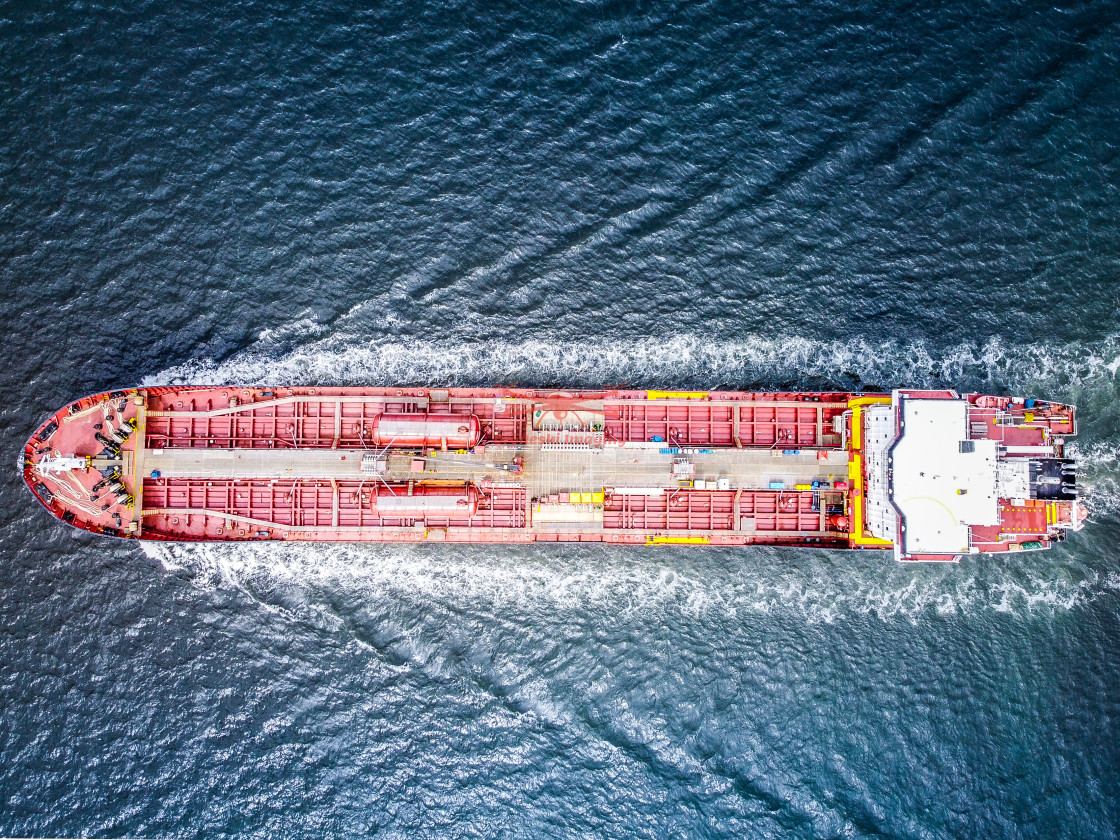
[(947, 475)]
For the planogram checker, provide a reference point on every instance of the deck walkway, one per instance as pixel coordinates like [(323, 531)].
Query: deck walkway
[(545, 471)]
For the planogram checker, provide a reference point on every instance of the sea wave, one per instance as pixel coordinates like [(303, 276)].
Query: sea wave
[(1057, 372), (700, 585), (1098, 475)]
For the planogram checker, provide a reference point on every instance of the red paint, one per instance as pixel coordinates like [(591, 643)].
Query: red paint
[(498, 508)]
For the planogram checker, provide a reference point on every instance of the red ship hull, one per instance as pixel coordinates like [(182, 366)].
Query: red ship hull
[(513, 465)]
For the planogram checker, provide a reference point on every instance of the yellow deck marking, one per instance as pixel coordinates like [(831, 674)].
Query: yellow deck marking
[(676, 395), (855, 472), (856, 405)]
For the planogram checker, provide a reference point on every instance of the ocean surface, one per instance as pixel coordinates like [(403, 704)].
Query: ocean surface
[(696, 195)]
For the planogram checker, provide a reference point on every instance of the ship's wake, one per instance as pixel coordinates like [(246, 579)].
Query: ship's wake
[(1098, 475), (1063, 372), (699, 585)]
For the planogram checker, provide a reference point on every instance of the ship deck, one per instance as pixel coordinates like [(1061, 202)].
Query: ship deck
[(544, 472), (490, 465)]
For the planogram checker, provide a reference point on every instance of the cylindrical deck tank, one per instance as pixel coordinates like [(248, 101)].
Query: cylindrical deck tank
[(460, 431), (455, 501)]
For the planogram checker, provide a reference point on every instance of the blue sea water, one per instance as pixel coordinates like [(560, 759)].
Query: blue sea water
[(783, 194)]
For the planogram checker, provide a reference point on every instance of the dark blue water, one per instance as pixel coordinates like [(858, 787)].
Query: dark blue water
[(846, 195)]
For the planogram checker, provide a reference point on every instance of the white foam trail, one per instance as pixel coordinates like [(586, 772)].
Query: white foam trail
[(684, 358), (1098, 475), (1101, 457), (618, 582)]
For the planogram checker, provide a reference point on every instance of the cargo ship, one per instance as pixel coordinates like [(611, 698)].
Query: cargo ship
[(927, 475)]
